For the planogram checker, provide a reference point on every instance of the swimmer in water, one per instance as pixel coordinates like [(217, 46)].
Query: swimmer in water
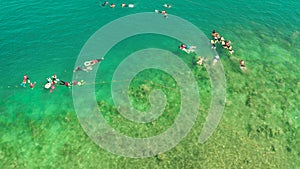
[(222, 39), (215, 35), (200, 61), (112, 5), (163, 12), (104, 3), (242, 65), (32, 85), (54, 78), (79, 83), (213, 44), (230, 49), (67, 84), (25, 79), (216, 59), (184, 48), (78, 68), (167, 6), (187, 48), (88, 65)]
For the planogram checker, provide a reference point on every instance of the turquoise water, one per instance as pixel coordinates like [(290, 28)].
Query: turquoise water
[(44, 37)]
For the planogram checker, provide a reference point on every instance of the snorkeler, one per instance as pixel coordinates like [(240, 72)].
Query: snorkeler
[(67, 84), (221, 39), (163, 12), (88, 65), (127, 5), (32, 85), (227, 46), (230, 49), (79, 83), (216, 59), (200, 61), (78, 68), (213, 44), (104, 3), (25, 79), (92, 62), (227, 43), (184, 48), (242, 65), (187, 48), (112, 5), (54, 78), (167, 6), (215, 35)]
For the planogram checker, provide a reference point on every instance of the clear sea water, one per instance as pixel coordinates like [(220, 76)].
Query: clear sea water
[(45, 37)]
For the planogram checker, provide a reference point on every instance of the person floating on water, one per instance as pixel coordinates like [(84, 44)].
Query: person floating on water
[(213, 44), (163, 12), (104, 3), (187, 48), (32, 85), (230, 49), (73, 83), (216, 59), (242, 65), (78, 68), (167, 6), (25, 79), (88, 65), (54, 78), (220, 39), (200, 60), (112, 5), (227, 46), (67, 84)]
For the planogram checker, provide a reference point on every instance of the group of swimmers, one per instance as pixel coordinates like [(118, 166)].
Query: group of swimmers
[(123, 5), (217, 38), (226, 44), (112, 5), (53, 80)]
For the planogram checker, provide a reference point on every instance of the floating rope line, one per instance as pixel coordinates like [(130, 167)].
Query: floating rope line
[(91, 83)]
